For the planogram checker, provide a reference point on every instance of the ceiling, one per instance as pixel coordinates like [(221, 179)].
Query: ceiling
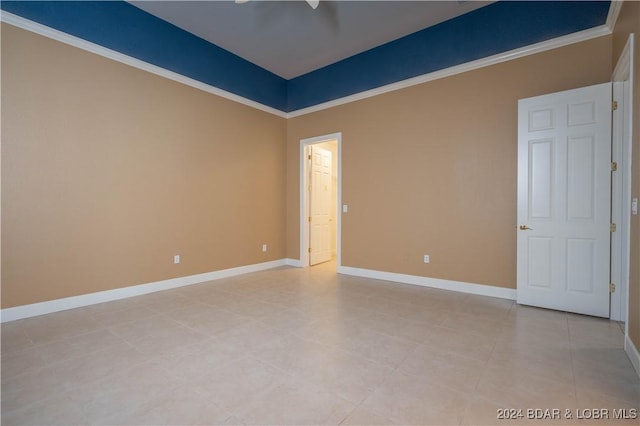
[(289, 38)]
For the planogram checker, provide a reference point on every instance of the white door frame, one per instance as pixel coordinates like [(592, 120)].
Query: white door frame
[(622, 126), (304, 195)]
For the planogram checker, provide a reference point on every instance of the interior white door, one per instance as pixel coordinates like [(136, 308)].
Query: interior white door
[(564, 200), (319, 206)]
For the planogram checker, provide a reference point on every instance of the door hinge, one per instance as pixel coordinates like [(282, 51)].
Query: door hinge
[(309, 157), (309, 218), (309, 249), (613, 227), (612, 288), (614, 166), (614, 105)]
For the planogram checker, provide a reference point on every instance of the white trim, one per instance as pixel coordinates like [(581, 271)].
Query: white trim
[(36, 309), (293, 262), (462, 287), (459, 69), (614, 12), (566, 40), (62, 37), (632, 353), (304, 230), (622, 128)]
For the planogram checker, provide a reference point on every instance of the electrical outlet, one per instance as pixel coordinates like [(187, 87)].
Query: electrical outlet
[(634, 206), (345, 208), (264, 247), (176, 259), (426, 258)]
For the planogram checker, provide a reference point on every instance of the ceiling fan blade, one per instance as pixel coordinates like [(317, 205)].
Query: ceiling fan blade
[(313, 3)]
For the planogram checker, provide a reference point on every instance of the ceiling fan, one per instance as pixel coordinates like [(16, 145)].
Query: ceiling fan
[(313, 3)]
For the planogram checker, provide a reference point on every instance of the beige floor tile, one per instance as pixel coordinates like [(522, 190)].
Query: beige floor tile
[(444, 368), (114, 318), (166, 341), (14, 338), (287, 320), (80, 345), (224, 387), (144, 328), (412, 400), (362, 416), (202, 361), (292, 354), (520, 388), (481, 411), (348, 376), (594, 332), (165, 301), (308, 346), (555, 365), (524, 311), (416, 331), (488, 307), (17, 363), (613, 356), (251, 337), (294, 403), (83, 370), (180, 406), (470, 322), (612, 379), (21, 391), (120, 394), (59, 409), (465, 343), (208, 319), (614, 411), (58, 326)]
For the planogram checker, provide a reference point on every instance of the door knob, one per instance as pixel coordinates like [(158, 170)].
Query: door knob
[(525, 228)]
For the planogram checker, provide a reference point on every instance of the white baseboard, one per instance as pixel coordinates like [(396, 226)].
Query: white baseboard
[(42, 308), (293, 262), (632, 353), (480, 289)]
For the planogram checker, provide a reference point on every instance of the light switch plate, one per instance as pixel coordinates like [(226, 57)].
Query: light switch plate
[(634, 206)]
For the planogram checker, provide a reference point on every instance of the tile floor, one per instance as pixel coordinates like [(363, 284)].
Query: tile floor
[(307, 346)]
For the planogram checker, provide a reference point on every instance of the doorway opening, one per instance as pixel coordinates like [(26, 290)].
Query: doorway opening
[(320, 195)]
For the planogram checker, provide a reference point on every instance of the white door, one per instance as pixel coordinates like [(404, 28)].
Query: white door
[(564, 200), (319, 206)]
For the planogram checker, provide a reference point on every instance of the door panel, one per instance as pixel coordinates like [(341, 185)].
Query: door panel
[(320, 206), (564, 196)]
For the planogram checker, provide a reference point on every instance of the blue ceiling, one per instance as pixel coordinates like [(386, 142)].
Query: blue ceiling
[(494, 29)]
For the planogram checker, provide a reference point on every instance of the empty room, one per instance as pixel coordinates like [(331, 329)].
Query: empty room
[(320, 212)]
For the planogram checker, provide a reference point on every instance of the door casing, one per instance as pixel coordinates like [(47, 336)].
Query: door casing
[(622, 128), (304, 194)]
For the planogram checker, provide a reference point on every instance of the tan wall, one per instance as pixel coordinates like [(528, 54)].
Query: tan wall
[(108, 171), (629, 22), (432, 169)]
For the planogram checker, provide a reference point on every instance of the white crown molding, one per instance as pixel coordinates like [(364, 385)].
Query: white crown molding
[(632, 353), (462, 287), (566, 40), (43, 30), (577, 37), (614, 12), (42, 308), (462, 68)]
